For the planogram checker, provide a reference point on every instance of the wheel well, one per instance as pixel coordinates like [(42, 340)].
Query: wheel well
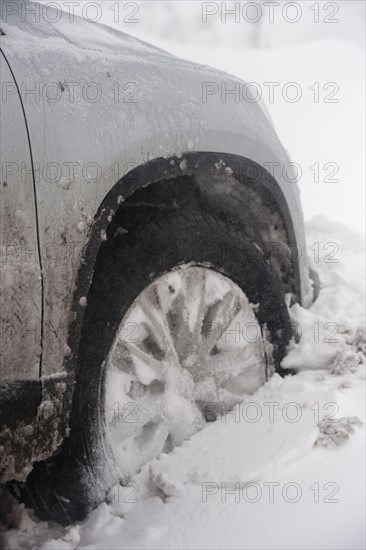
[(221, 194)]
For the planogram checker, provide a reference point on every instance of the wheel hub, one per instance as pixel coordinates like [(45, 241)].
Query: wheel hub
[(188, 349)]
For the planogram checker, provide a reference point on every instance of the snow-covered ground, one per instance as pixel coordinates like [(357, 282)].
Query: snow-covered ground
[(272, 474), (290, 479)]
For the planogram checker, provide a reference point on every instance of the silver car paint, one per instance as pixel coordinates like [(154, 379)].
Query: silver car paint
[(83, 144)]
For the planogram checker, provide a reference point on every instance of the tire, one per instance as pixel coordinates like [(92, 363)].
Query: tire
[(66, 487)]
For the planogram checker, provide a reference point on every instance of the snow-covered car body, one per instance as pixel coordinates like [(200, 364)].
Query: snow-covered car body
[(90, 115)]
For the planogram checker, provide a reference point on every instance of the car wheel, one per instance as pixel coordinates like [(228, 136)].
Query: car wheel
[(184, 317)]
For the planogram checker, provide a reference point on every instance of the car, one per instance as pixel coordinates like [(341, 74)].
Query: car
[(152, 239)]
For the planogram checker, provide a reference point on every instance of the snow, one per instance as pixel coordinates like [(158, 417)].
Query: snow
[(270, 474)]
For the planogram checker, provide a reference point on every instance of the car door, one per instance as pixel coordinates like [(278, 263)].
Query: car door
[(20, 272)]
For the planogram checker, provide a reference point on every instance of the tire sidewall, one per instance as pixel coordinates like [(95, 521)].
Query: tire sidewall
[(125, 266)]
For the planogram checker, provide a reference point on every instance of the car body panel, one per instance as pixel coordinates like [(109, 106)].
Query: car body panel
[(99, 105), (20, 283)]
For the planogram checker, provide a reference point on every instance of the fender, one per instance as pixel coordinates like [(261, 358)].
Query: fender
[(169, 169)]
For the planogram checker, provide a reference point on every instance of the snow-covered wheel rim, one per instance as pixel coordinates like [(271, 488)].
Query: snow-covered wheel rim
[(187, 349)]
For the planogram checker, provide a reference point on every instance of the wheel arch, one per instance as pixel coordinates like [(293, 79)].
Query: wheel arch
[(229, 184)]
